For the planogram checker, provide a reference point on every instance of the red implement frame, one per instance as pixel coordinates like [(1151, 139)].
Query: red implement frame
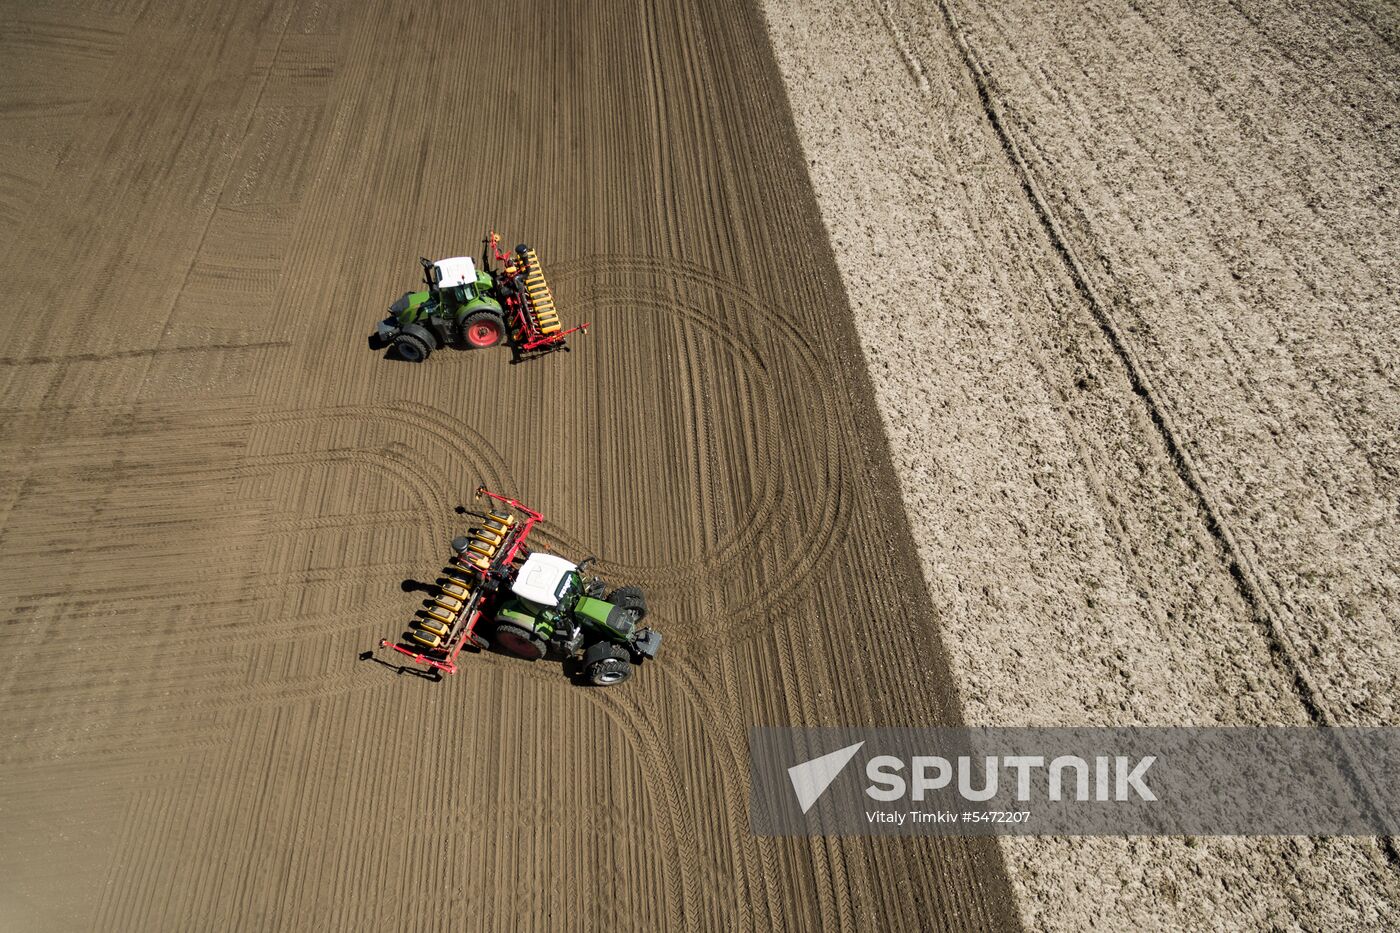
[(502, 569), (531, 339)]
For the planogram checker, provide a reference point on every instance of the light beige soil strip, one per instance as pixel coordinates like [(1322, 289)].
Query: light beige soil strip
[(1270, 619)]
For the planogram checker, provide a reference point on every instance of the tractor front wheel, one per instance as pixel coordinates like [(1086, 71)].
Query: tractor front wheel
[(412, 348), (630, 597), (483, 329), (614, 667), (519, 642)]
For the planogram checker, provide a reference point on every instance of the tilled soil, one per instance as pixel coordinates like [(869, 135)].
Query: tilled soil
[(214, 496), (1232, 194), (1139, 392)]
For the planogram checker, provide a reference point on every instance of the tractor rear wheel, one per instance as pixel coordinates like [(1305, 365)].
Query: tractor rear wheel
[(483, 329), (412, 348), (519, 642), (614, 667)]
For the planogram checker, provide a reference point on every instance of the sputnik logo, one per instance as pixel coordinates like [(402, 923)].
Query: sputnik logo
[(811, 778)]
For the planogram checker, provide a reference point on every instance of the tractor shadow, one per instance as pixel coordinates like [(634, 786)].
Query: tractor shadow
[(517, 358), (432, 674), (390, 352), (572, 667), (429, 590)]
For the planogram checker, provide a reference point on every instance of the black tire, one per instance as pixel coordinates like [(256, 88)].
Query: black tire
[(630, 597), (517, 641), (476, 327), (612, 668), (411, 348)]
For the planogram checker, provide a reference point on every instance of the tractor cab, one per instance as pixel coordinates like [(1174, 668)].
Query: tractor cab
[(449, 273), (454, 279), (545, 580)]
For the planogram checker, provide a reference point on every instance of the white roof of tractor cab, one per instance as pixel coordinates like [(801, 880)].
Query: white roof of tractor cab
[(459, 270), (538, 579)]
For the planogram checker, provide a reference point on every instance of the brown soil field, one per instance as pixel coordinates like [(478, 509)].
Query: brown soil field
[(211, 490), (1135, 345)]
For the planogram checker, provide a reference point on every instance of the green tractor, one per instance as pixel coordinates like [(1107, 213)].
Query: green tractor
[(459, 308), (529, 604), (473, 308), (552, 607)]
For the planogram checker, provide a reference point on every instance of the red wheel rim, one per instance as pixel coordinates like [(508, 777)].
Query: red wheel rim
[(484, 334)]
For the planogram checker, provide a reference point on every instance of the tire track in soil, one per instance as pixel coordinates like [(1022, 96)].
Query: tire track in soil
[(813, 546), (262, 693), (654, 157), (757, 345), (255, 626)]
